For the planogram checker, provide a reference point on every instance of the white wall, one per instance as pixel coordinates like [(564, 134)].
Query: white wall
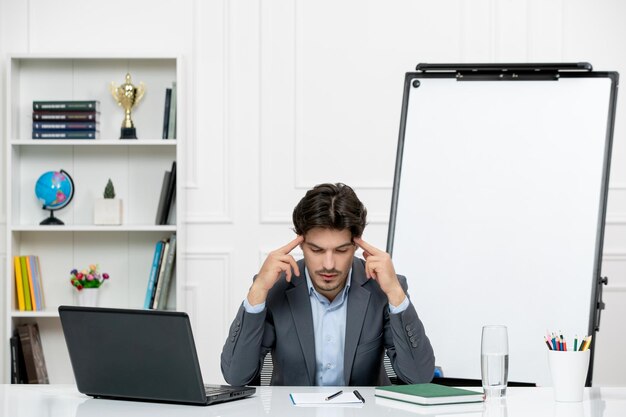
[(285, 94)]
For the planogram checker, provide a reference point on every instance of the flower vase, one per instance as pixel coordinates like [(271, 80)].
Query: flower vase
[(88, 297)]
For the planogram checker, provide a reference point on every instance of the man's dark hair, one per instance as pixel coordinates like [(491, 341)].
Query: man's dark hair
[(330, 206)]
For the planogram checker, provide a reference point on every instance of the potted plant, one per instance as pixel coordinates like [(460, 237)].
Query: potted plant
[(108, 210), (87, 283)]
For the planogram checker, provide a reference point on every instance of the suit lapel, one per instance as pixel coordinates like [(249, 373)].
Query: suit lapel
[(358, 300), (300, 305)]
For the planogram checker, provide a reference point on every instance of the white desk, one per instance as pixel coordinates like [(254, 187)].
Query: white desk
[(65, 401)]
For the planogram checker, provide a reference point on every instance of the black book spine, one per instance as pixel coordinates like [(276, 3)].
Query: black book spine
[(171, 190), (14, 367), (166, 114)]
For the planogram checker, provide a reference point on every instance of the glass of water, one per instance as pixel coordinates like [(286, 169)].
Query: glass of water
[(494, 360)]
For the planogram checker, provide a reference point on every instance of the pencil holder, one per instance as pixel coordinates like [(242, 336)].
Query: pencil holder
[(569, 371)]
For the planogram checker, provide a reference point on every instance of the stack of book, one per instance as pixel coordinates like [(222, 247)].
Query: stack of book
[(68, 119), (161, 272), (28, 365), (28, 285)]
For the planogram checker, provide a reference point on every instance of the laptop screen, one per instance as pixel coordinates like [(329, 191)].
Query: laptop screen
[(133, 354)]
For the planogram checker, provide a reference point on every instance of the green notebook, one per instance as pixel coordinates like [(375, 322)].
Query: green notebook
[(429, 394)]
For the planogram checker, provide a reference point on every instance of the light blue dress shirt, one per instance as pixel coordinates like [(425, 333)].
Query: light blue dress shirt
[(329, 327)]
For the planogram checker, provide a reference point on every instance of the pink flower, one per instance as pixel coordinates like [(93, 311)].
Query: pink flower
[(87, 278)]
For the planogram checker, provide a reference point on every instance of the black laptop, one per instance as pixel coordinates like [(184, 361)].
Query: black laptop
[(146, 355)]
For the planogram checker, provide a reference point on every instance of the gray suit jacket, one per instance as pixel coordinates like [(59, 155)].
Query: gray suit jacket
[(285, 328)]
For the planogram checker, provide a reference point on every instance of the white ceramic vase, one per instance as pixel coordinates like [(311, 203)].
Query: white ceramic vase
[(107, 211), (88, 297)]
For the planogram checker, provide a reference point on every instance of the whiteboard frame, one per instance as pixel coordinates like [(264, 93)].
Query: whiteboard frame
[(519, 73)]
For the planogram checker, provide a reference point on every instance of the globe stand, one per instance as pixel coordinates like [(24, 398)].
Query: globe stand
[(51, 221)]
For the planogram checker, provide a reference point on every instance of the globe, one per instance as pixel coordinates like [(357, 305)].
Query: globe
[(54, 190)]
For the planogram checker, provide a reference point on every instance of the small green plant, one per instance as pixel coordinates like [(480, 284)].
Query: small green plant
[(109, 190)]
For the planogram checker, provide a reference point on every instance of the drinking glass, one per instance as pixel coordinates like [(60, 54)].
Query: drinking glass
[(494, 360)]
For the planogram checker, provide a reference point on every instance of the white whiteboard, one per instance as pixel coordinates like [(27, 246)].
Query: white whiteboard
[(498, 211)]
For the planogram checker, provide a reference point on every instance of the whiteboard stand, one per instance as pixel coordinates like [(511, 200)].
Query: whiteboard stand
[(499, 204)]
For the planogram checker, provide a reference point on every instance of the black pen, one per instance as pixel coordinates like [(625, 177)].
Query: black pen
[(358, 395), (330, 397)]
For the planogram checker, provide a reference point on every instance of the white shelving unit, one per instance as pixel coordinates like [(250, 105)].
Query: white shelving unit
[(136, 168)]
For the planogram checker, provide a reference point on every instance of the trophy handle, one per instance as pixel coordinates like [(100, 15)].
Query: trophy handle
[(115, 92), (141, 89)]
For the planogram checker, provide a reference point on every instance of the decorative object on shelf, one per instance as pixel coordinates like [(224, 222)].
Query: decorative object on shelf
[(127, 96), (87, 283), (54, 190), (108, 210), (66, 119)]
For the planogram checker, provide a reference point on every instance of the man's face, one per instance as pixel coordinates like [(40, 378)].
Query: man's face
[(328, 257)]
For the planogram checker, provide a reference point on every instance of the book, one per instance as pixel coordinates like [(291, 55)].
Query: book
[(28, 306), (13, 342), (166, 112), (171, 193), (19, 284), (55, 126), (66, 134), (18, 368), (171, 132), (159, 282), (65, 115), (169, 271), (31, 285), (153, 274), (39, 282), (466, 409), (35, 363), (162, 197), (67, 105), (36, 281), (429, 394), (168, 193)]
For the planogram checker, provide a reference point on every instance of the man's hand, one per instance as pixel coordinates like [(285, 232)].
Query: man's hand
[(275, 264), (378, 266)]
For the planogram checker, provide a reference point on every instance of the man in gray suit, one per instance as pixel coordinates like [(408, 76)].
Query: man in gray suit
[(329, 318)]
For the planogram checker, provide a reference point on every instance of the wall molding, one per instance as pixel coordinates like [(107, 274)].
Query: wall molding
[(284, 218), (298, 99), (223, 216), (615, 219), (614, 256), (191, 148), (217, 218), (191, 303), (223, 256)]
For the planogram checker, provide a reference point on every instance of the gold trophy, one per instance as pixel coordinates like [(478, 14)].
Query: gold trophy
[(127, 96)]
